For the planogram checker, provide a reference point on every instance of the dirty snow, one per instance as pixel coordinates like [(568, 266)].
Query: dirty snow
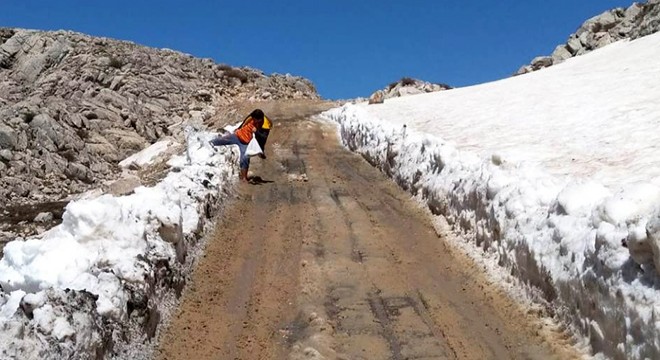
[(102, 246)]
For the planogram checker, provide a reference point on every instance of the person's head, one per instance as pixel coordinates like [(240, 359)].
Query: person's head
[(257, 114)]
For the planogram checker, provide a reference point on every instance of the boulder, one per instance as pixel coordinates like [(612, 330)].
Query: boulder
[(7, 137), (48, 131), (541, 62), (124, 186), (407, 90), (77, 171), (44, 217), (6, 155), (377, 97), (523, 70), (560, 54), (574, 45), (12, 46)]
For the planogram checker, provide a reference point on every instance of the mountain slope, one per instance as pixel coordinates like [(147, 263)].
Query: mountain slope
[(72, 106)]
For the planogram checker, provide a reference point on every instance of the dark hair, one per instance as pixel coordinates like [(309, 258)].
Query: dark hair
[(257, 114)]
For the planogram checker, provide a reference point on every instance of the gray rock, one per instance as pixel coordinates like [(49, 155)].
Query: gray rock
[(560, 54), (523, 70), (603, 39), (12, 46), (6, 155), (19, 187), (204, 95), (633, 11), (44, 217), (75, 120), (585, 39), (76, 104), (636, 21), (405, 87), (407, 90), (7, 137), (31, 67), (541, 62), (112, 98), (377, 97), (103, 61), (604, 21), (574, 45), (77, 171), (116, 83)]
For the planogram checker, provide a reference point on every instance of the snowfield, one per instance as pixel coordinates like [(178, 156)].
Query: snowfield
[(554, 174), (99, 283)]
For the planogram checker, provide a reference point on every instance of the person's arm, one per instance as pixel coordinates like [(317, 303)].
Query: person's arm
[(251, 125)]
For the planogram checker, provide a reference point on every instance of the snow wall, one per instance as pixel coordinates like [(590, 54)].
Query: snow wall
[(560, 236), (100, 284)]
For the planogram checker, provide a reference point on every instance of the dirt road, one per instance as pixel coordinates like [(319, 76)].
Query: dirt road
[(341, 266)]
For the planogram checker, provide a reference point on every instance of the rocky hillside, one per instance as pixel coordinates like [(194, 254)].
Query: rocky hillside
[(72, 106), (404, 87), (636, 21)]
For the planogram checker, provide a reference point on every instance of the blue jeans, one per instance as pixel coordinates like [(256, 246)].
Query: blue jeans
[(232, 139)]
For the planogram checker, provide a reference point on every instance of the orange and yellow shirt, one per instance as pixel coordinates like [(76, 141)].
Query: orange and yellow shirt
[(246, 131)]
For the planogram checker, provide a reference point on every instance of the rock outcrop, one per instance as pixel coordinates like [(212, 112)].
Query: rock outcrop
[(404, 87), (72, 106), (636, 21)]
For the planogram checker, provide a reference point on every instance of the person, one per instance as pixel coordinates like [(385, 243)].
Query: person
[(242, 137), (262, 132)]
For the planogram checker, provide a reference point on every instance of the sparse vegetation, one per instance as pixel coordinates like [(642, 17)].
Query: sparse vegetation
[(116, 62), (28, 116), (444, 85), (83, 133), (236, 73), (406, 81)]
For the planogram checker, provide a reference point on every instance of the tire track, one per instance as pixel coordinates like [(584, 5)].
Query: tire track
[(342, 266)]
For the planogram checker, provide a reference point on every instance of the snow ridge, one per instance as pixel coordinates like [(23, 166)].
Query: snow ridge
[(562, 188), (531, 223), (100, 279)]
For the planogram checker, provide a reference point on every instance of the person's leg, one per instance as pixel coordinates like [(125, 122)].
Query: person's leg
[(232, 139), (227, 139), (244, 161)]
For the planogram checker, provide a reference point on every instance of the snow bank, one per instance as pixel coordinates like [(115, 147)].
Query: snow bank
[(544, 174), (78, 288)]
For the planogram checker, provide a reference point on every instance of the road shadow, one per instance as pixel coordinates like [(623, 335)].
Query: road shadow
[(258, 180)]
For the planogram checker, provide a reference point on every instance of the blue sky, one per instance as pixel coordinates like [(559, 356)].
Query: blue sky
[(347, 48)]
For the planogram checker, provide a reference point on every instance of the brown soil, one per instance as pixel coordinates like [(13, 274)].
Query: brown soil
[(341, 264)]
